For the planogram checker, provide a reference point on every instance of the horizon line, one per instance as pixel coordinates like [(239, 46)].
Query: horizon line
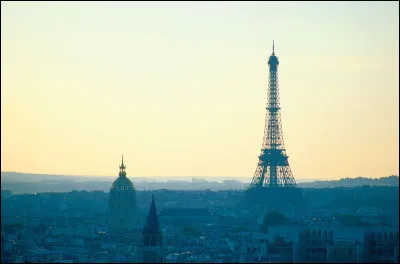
[(191, 176)]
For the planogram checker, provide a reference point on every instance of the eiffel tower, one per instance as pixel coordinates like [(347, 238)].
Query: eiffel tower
[(273, 168)]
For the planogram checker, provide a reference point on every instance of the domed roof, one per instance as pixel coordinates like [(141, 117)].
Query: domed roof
[(122, 203), (122, 183)]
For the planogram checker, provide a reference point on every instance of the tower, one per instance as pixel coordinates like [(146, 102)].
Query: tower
[(152, 237), (122, 203), (273, 168)]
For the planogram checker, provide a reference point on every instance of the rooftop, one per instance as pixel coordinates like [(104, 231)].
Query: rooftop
[(191, 212)]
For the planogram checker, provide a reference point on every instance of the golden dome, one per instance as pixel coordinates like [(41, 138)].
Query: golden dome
[(122, 198), (122, 184)]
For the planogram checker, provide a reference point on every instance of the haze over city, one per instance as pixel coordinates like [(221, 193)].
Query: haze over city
[(199, 132), (180, 88)]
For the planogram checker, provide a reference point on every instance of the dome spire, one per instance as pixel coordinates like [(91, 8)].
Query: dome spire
[(122, 168)]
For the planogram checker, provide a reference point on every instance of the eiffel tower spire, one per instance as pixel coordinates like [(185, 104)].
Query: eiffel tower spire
[(273, 47)]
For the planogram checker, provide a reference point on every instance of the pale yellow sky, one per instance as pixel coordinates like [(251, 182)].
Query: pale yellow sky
[(180, 88)]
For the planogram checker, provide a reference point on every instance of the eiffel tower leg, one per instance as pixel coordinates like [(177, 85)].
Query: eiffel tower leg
[(273, 176)]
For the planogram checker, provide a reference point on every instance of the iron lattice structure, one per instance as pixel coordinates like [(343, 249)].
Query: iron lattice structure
[(273, 168)]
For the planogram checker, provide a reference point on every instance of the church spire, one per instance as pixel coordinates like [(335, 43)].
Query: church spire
[(151, 234), (122, 168)]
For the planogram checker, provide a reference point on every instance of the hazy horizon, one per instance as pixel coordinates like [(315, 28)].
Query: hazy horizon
[(188, 178), (180, 88)]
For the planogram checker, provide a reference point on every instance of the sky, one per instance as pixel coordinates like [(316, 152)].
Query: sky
[(180, 88)]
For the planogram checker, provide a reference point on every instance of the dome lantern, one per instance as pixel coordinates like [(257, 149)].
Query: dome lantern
[(122, 172)]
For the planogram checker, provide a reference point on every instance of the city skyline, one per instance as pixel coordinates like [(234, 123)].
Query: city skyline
[(181, 88)]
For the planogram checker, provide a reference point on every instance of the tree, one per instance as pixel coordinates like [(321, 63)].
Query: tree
[(191, 231), (273, 219)]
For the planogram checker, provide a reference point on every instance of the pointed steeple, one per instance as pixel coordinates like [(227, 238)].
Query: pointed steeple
[(151, 234), (122, 168)]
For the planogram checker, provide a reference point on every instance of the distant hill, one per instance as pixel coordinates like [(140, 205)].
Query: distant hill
[(353, 182), (32, 177), (30, 183)]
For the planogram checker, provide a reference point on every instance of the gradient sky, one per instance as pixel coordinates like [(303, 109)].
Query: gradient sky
[(180, 87)]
